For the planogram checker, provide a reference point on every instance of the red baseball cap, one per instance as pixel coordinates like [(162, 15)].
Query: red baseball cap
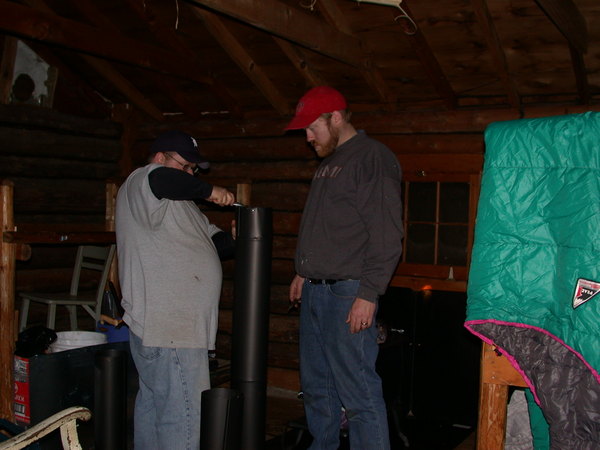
[(318, 100)]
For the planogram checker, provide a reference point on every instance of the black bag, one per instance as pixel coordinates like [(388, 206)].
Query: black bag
[(111, 303)]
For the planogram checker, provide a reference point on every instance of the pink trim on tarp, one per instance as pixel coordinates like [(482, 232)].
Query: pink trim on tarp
[(469, 323)]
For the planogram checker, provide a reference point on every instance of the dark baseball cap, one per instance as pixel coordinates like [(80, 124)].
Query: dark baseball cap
[(181, 143), (318, 100)]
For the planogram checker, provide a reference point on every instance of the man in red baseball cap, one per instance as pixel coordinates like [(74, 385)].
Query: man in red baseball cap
[(348, 247)]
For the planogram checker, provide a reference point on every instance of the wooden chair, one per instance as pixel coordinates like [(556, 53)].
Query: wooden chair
[(66, 420), (91, 257)]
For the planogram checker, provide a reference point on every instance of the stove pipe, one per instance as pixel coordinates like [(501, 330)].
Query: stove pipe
[(252, 285)]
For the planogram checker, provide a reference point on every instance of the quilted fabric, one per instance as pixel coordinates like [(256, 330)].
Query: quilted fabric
[(535, 267)]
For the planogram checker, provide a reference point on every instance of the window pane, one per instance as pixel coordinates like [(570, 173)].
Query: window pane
[(420, 241), (421, 202), (454, 202), (452, 246)]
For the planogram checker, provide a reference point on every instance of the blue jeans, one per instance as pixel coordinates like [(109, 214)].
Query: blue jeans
[(337, 368), (167, 405)]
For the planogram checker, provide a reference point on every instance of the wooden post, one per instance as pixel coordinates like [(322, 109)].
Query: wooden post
[(244, 193), (111, 201), (497, 374), (7, 303)]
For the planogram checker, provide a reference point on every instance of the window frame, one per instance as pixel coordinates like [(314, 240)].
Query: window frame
[(437, 276)]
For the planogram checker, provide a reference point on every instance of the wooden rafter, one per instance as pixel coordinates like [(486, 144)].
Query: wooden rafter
[(298, 59), (431, 65), (565, 15), (169, 37), (493, 42), (288, 23), (243, 59), (369, 71)]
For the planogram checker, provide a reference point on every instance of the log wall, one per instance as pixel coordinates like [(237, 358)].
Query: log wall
[(59, 165)]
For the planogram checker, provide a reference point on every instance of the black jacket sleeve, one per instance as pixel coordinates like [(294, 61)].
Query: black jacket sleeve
[(225, 245), (173, 184)]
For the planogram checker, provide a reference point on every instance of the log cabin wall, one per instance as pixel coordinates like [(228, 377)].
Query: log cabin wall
[(59, 165)]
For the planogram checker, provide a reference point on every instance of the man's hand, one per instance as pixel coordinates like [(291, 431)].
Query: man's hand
[(221, 196), (296, 289), (361, 315)]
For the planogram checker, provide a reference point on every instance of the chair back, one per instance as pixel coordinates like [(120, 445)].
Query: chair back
[(93, 257)]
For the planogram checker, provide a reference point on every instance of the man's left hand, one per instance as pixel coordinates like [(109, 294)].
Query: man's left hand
[(361, 315)]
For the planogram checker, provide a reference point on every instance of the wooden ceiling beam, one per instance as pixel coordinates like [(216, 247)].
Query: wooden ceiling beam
[(383, 123), (493, 42), (581, 79), (169, 37), (569, 21), (298, 59), (245, 62), (565, 15), (368, 70), (430, 63), (52, 29), (123, 85), (288, 23)]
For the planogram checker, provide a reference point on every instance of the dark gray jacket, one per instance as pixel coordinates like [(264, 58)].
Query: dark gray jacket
[(351, 227)]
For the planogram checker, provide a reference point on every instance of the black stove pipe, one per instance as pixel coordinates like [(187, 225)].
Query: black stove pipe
[(110, 399), (252, 284)]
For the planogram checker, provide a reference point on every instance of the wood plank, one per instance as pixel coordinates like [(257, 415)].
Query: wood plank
[(56, 237), (245, 62), (33, 116), (291, 24), (165, 33), (56, 168), (26, 142), (496, 369), (430, 63), (495, 47), (471, 120), (568, 19), (7, 303), (368, 68)]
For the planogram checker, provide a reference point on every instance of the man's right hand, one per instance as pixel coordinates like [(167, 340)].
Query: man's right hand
[(221, 196), (296, 289)]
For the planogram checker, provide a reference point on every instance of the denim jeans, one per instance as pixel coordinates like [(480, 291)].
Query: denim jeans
[(337, 368), (167, 405)]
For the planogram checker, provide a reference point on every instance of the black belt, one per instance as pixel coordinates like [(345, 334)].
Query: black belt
[(322, 281)]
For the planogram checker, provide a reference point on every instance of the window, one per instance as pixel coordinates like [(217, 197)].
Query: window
[(439, 218)]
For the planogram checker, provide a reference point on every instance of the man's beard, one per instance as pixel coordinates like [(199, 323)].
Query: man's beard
[(326, 149)]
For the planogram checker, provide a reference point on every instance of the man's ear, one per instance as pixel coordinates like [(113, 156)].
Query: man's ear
[(336, 117), (158, 158)]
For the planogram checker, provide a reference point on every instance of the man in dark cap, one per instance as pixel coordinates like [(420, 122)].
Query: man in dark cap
[(170, 275), (348, 247)]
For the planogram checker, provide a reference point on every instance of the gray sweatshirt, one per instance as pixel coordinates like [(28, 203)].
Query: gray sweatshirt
[(169, 270)]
